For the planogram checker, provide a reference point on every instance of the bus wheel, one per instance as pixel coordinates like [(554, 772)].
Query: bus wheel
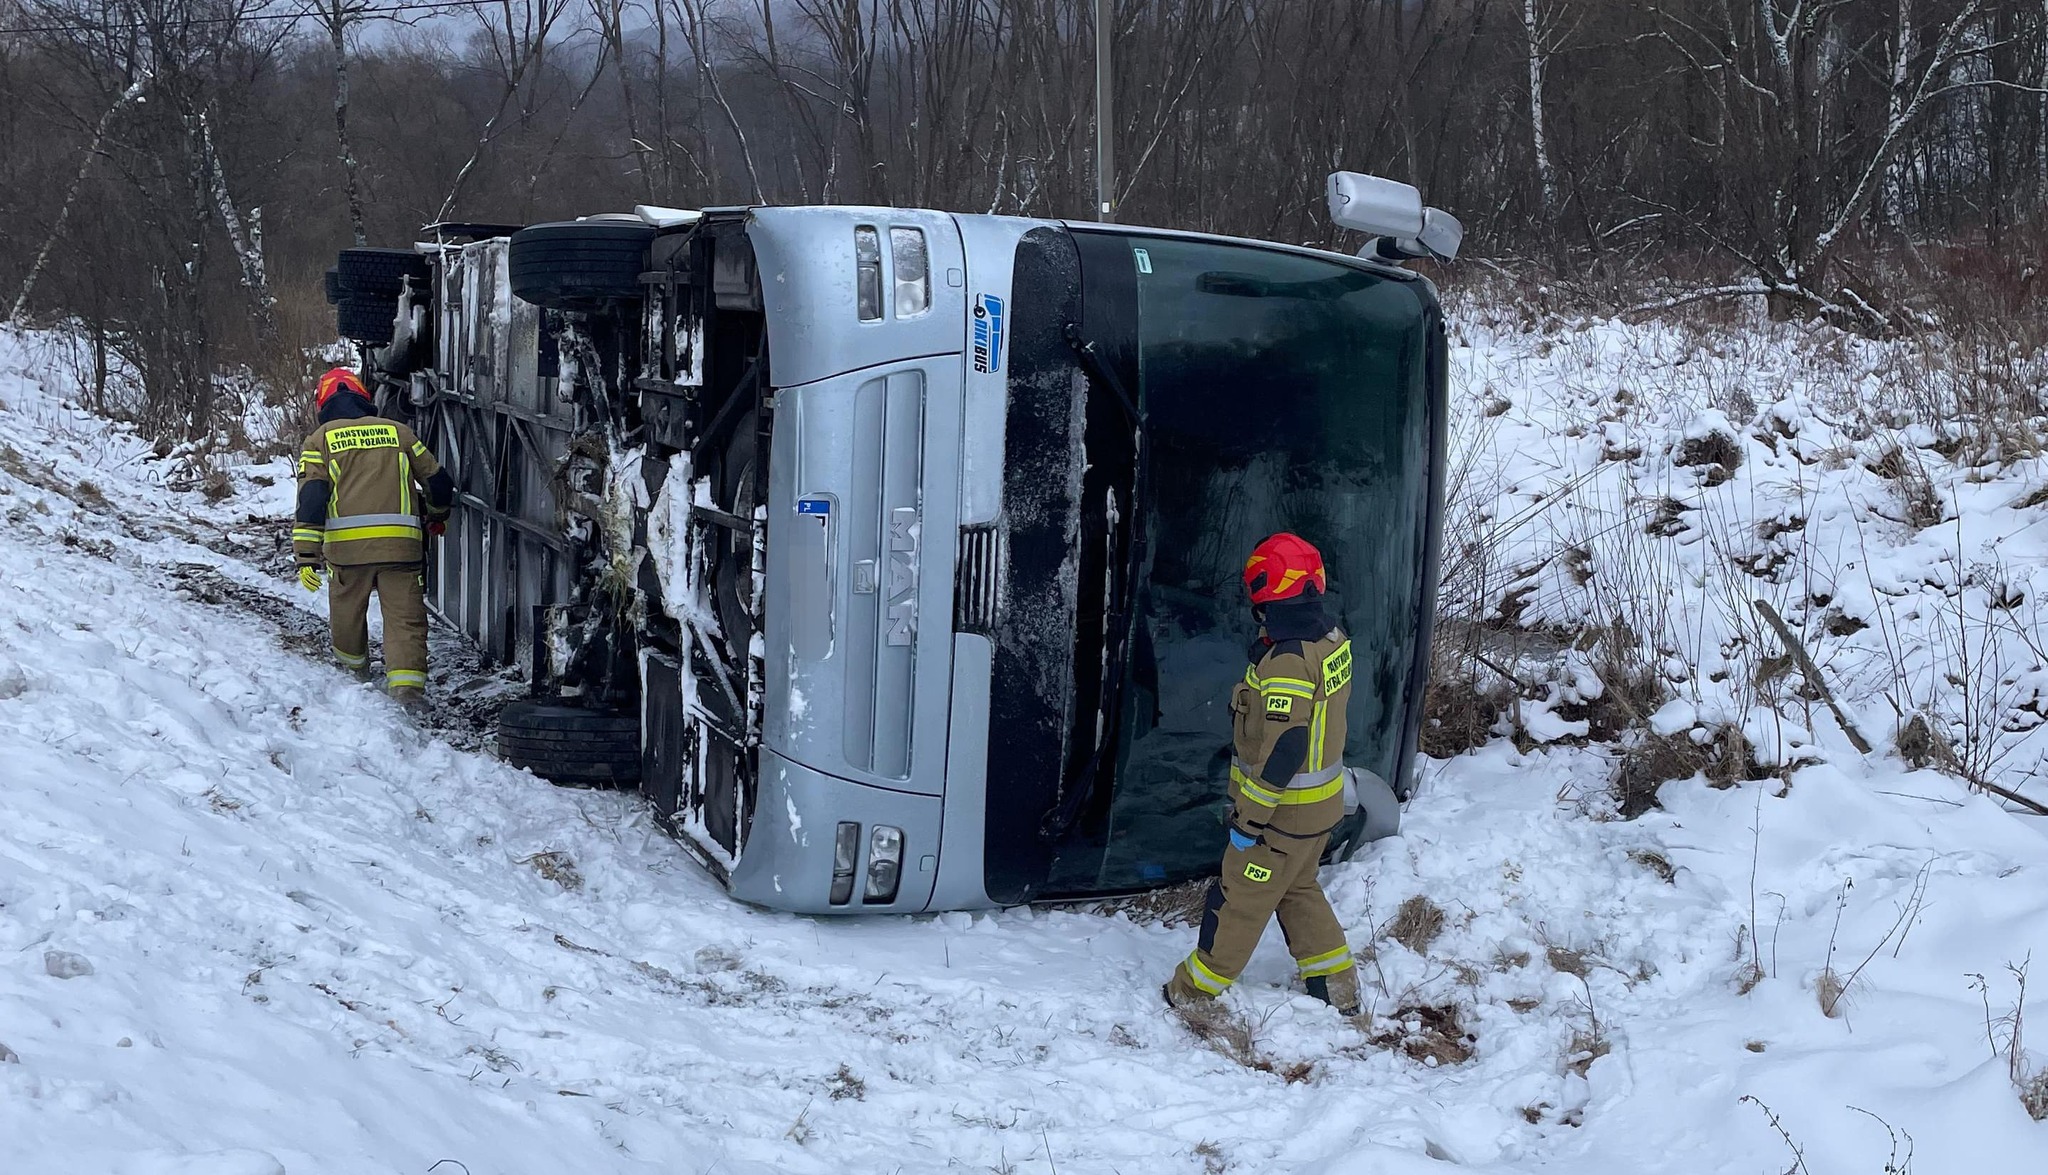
[(377, 275), (569, 745), (578, 264), (366, 320)]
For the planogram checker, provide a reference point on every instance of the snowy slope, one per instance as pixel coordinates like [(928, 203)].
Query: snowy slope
[(319, 940)]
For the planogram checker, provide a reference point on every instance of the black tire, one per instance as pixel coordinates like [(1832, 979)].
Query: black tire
[(575, 265), (366, 320), (333, 286), (378, 274), (570, 745)]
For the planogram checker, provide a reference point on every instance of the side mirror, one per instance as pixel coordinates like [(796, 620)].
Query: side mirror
[(1380, 207), (1439, 240), (1441, 234)]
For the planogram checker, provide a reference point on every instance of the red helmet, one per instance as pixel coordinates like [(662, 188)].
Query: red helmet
[(338, 379), (1281, 567)]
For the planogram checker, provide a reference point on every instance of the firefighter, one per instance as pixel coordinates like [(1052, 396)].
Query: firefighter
[(359, 513), (1286, 789)]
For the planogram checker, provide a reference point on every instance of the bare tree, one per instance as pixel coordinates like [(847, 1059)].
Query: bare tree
[(517, 35), (337, 18)]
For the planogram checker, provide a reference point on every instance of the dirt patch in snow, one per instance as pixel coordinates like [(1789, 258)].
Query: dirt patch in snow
[(1433, 1034), (1176, 905), (466, 693)]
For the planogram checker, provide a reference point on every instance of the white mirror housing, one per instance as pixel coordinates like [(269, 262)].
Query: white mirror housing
[(1380, 207), (1441, 234)]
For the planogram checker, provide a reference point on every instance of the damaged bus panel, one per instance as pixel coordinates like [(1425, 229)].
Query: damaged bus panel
[(894, 554)]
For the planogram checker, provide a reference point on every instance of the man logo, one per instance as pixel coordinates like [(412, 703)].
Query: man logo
[(903, 539), (1258, 872)]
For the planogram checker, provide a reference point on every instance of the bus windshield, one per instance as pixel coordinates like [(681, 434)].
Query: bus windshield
[(1277, 391)]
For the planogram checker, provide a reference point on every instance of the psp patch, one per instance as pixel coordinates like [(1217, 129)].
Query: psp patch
[(1279, 706), (1258, 872)]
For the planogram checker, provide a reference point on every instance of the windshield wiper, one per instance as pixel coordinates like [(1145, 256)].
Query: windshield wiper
[(1100, 371)]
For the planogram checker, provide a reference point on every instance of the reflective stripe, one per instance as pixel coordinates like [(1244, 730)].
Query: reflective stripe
[(358, 533), (419, 449), (412, 520), (402, 678), (307, 534), (355, 527), (312, 455), (1310, 787), (404, 485), (352, 660), (1256, 792), (1318, 731), (1328, 963), (1204, 978), (1289, 685)]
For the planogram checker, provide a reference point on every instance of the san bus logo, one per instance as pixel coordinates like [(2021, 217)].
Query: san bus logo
[(988, 334)]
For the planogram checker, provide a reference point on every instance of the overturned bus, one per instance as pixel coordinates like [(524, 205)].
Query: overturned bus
[(894, 555)]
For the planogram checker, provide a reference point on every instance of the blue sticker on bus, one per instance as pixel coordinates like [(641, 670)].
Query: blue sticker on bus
[(988, 334), (814, 505)]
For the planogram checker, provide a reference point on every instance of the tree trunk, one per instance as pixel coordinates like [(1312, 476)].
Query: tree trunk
[(247, 240), (128, 96), (1905, 47), (337, 33), (1539, 67)]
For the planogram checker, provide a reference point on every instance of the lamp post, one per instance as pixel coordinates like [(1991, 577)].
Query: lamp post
[(1105, 163)]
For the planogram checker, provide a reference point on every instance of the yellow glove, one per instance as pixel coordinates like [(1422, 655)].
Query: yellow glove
[(309, 576)]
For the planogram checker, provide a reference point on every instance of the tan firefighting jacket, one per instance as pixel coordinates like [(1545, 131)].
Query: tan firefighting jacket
[(374, 470), (1288, 732)]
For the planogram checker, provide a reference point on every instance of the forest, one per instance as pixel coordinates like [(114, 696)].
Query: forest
[(175, 175)]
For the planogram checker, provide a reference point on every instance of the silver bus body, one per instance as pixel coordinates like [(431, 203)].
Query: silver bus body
[(944, 492)]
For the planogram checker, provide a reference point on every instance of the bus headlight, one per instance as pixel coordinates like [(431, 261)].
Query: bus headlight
[(912, 262), (885, 864), (845, 850), (867, 272)]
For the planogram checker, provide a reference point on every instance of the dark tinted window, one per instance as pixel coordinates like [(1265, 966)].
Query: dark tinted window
[(1281, 392)]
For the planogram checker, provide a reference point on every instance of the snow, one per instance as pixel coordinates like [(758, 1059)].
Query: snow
[(303, 936)]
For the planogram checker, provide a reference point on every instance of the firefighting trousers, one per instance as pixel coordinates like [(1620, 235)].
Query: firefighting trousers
[(1256, 884), (400, 589)]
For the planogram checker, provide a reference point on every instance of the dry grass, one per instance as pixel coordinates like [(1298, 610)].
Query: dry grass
[(845, 1085), (1458, 714), (1231, 1035), (2034, 1096), (1829, 988), (1726, 758), (1417, 924), (1719, 453), (1920, 504), (1175, 905), (557, 866), (1433, 1034), (1567, 961), (1587, 1045), (1656, 863), (88, 495)]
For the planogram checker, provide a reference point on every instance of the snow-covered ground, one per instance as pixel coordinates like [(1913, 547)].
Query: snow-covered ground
[(252, 921)]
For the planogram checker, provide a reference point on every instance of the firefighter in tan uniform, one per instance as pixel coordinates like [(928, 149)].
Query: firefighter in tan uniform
[(369, 492), (1286, 789)]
